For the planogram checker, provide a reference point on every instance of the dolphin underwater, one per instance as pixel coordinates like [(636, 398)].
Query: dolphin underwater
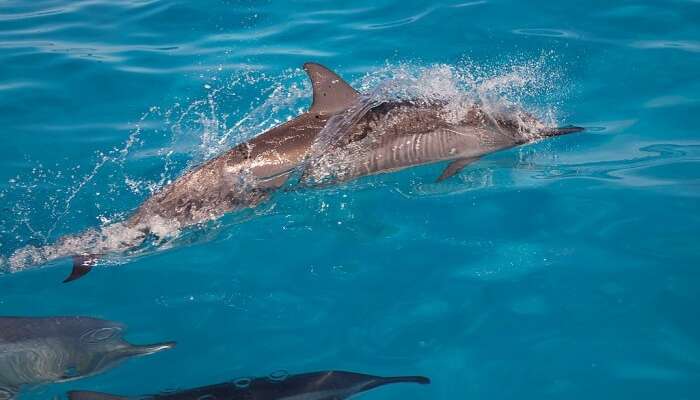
[(379, 137), (326, 385), (35, 351)]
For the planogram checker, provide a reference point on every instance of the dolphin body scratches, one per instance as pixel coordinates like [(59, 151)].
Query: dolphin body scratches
[(369, 138)]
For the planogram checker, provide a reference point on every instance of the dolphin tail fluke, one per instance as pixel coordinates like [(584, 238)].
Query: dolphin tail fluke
[(81, 395), (82, 264), (563, 130)]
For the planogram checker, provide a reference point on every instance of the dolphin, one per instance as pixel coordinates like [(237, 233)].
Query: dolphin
[(35, 351), (326, 385), (240, 178), (395, 135), (371, 138)]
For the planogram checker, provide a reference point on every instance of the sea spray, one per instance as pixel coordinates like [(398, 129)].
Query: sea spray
[(167, 141)]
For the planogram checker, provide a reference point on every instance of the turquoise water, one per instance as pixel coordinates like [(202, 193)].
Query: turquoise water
[(564, 269)]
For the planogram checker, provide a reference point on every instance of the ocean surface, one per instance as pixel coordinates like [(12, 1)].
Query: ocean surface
[(567, 268)]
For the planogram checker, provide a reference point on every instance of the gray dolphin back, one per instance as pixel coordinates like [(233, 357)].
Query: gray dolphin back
[(14, 329)]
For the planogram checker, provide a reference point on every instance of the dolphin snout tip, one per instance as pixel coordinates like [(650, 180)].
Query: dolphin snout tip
[(164, 346), (423, 380), (153, 348)]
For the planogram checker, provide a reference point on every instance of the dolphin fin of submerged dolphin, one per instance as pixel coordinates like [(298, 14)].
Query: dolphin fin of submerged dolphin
[(331, 94), (84, 395), (455, 166), (81, 266)]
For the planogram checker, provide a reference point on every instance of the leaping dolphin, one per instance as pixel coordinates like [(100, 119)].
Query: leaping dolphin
[(383, 137), (241, 177), (35, 351), (327, 385)]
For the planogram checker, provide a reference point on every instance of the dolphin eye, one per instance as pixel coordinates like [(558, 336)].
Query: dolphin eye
[(70, 372), (100, 335)]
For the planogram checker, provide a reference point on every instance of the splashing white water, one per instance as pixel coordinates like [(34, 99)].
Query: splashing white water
[(166, 142), (453, 91)]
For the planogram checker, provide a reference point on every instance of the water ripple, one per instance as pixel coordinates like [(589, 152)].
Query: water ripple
[(469, 4), (685, 45), (557, 33), (394, 23)]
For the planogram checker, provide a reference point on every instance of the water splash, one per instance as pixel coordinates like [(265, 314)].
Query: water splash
[(497, 94), (167, 141), (47, 203)]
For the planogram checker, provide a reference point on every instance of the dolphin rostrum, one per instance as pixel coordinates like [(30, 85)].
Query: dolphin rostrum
[(369, 138), (326, 385), (55, 349)]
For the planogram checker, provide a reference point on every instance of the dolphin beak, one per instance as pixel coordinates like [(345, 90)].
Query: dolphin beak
[(143, 350)]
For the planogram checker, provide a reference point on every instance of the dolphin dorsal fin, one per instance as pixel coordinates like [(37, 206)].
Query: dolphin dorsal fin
[(331, 93)]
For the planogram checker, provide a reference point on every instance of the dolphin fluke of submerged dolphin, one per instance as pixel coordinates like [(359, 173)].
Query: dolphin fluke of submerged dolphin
[(326, 385), (373, 138)]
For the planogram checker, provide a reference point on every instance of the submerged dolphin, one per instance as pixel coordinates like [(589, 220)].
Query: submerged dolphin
[(327, 385), (42, 350), (384, 137)]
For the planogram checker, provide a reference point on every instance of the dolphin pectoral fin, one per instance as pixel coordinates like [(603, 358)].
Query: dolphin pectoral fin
[(82, 395), (331, 93), (455, 166), (81, 266)]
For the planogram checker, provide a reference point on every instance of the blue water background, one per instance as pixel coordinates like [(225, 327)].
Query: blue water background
[(571, 275)]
